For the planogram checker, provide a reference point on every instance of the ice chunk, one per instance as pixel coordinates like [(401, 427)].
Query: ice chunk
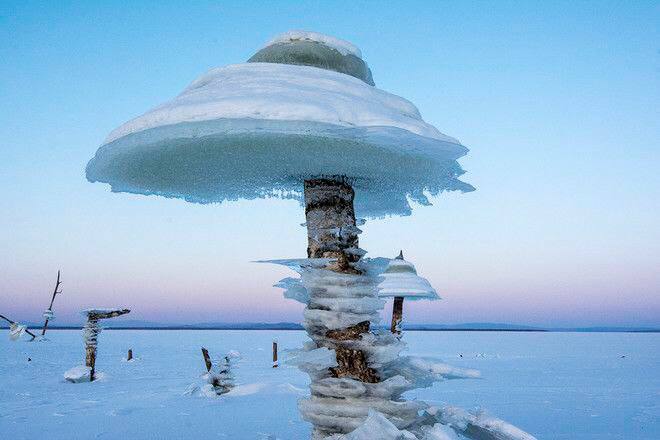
[(437, 432), (390, 388), (317, 51), (478, 426), (344, 415), (317, 359), (376, 426), (78, 374), (441, 369), (293, 289), (16, 330), (260, 129), (338, 387)]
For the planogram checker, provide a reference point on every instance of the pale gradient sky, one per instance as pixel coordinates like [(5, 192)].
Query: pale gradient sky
[(557, 101)]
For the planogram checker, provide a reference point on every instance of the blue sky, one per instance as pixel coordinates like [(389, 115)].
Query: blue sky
[(557, 101)]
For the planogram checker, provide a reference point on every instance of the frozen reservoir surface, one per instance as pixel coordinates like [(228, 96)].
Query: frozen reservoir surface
[(553, 385)]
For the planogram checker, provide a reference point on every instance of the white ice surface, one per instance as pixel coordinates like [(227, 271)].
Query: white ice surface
[(343, 46), (559, 386), (294, 94), (259, 129)]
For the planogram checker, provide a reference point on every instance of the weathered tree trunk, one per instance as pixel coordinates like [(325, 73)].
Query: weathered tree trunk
[(332, 233), (92, 329), (397, 315), (330, 219)]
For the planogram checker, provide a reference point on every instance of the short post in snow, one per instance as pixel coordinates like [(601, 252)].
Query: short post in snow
[(207, 359), (275, 364), (220, 378)]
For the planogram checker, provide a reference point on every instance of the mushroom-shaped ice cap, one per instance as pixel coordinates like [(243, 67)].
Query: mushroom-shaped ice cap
[(260, 129), (400, 279)]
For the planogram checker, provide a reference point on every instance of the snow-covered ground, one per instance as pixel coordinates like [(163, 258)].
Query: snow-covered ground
[(583, 386)]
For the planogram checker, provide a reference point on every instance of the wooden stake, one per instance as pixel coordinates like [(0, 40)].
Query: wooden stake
[(397, 315), (130, 355), (207, 359), (90, 348), (26, 330), (50, 307), (91, 332), (397, 308), (274, 354)]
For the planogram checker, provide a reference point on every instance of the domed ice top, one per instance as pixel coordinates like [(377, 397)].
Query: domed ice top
[(317, 50), (259, 129)]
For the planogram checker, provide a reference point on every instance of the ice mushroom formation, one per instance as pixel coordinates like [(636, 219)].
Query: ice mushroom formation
[(302, 107), (303, 119), (400, 281)]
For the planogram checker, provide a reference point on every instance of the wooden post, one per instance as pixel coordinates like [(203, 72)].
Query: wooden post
[(397, 315), (397, 308), (274, 354), (92, 331), (91, 334), (130, 355), (50, 307), (207, 359), (12, 322)]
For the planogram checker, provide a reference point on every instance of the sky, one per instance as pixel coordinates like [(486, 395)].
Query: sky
[(557, 102)]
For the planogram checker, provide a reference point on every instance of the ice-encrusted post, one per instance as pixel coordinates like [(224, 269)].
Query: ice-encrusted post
[(91, 332), (332, 233)]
